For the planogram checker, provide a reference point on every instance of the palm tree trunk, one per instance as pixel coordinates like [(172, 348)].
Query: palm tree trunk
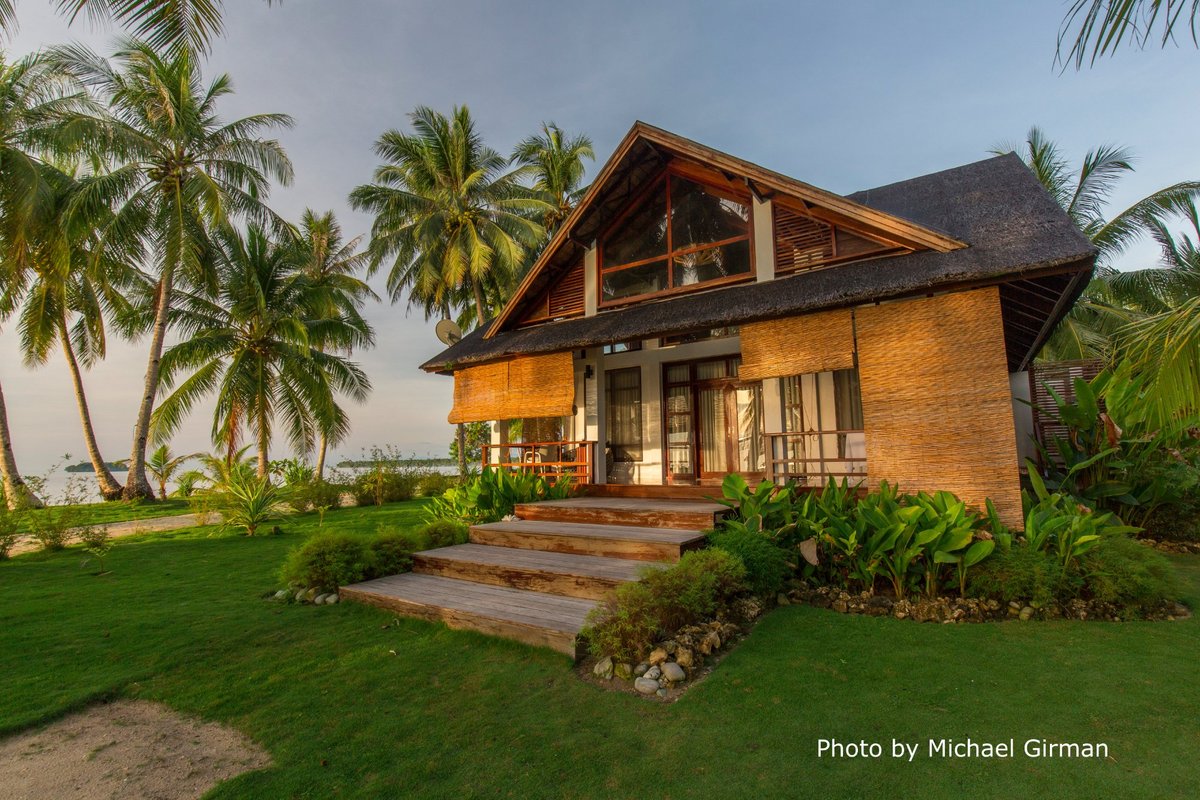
[(109, 488), (321, 451), (462, 452), (137, 485), (16, 492), (479, 302), (263, 442)]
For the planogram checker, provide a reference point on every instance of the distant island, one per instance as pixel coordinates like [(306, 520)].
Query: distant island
[(404, 462), (86, 466)]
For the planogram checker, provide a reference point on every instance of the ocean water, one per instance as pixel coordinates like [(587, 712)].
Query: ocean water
[(80, 487)]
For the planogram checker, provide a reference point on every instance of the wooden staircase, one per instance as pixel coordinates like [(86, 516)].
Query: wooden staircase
[(535, 579)]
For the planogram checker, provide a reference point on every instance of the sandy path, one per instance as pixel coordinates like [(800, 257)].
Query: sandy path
[(134, 526), (125, 749)]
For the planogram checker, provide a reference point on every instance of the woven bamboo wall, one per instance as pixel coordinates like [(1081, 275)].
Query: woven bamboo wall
[(797, 345), (937, 405), (523, 386)]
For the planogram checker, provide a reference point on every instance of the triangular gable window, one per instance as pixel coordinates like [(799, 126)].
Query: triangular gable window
[(678, 235)]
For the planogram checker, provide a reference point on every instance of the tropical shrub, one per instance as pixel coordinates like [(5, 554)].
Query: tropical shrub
[(434, 483), (1058, 523), (766, 565), (1109, 461), (96, 543), (327, 561), (624, 626), (1023, 574), (53, 527), (387, 478), (666, 599), (332, 559), (391, 553), (246, 500), (1128, 574), (493, 494), (10, 527), (443, 533)]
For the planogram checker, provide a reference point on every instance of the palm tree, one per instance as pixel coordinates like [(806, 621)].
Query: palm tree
[(181, 173), (71, 288), (164, 24), (37, 102), (163, 464), (1160, 347), (1104, 25), (261, 351), (330, 267), (448, 213), (1088, 330), (554, 162)]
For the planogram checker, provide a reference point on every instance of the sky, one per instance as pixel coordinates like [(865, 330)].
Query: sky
[(843, 96)]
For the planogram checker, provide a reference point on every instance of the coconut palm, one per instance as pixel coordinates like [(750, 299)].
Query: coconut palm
[(449, 214), (1104, 25), (70, 288), (165, 24), (1160, 348), (1088, 330), (37, 105), (180, 172), (261, 351), (553, 162), (330, 266), (163, 465)]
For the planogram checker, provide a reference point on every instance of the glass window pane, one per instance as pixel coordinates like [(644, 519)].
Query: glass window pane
[(679, 430), (642, 234), (679, 373), (751, 455), (633, 281), (698, 216), (714, 263), (623, 409), (708, 370), (712, 430)]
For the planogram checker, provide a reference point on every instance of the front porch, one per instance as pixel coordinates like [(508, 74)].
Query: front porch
[(672, 418)]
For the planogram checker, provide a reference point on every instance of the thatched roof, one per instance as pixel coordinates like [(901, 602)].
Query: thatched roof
[(1018, 238)]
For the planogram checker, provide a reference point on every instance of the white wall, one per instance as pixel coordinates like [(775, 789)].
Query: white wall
[(1022, 415)]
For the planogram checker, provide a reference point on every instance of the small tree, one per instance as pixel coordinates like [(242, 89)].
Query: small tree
[(97, 543), (476, 435)]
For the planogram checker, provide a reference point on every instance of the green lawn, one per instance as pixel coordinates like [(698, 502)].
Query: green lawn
[(351, 704), (119, 511)]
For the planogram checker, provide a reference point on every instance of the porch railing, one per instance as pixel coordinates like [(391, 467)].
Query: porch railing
[(553, 460), (810, 458)]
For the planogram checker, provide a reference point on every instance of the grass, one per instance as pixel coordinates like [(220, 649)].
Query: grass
[(116, 511), (354, 703)]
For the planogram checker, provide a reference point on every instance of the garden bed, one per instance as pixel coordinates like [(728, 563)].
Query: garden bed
[(969, 609)]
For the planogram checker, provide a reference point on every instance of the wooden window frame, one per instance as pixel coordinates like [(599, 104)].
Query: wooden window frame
[(665, 175)]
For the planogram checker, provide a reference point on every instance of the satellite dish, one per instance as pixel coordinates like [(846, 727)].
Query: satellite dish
[(448, 332)]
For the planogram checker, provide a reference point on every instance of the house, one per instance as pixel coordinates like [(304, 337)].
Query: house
[(699, 315)]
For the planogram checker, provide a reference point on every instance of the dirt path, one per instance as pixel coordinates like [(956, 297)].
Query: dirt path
[(134, 526), (125, 749)]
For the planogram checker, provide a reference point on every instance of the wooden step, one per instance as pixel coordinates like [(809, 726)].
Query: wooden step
[(674, 491), (591, 577), (612, 541), (543, 620), (629, 511)]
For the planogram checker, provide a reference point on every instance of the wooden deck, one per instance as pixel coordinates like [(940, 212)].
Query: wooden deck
[(630, 511), (535, 580)]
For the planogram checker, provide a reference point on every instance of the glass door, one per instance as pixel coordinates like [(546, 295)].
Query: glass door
[(713, 422)]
